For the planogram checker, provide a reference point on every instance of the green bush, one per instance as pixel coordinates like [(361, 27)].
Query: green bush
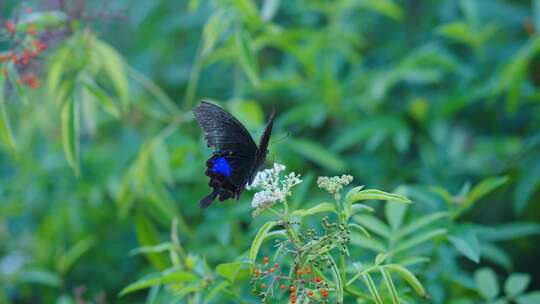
[(102, 164)]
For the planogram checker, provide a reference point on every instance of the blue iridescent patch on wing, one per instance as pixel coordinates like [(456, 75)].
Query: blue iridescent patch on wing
[(220, 165)]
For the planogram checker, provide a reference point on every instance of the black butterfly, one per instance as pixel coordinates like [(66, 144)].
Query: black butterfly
[(236, 157)]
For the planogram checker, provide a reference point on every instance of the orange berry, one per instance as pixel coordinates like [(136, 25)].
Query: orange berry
[(272, 270), (310, 293), (282, 287), (292, 289), (265, 260), (31, 30), (307, 270), (263, 286), (32, 81)]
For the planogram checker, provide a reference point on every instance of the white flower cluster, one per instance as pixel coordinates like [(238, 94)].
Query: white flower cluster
[(273, 188), (334, 184)]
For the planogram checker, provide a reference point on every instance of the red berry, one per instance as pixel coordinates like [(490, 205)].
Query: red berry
[(10, 26), (292, 289), (282, 287), (276, 265), (318, 280), (324, 293), (263, 286), (265, 260), (272, 270), (310, 293)]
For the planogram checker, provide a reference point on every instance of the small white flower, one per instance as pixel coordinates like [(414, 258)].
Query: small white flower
[(273, 188), (334, 184)]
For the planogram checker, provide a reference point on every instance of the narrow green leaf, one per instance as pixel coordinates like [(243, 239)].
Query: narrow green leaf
[(526, 184), (373, 224), (159, 279), (102, 98), (368, 243), (486, 283), (322, 207), (38, 276), (467, 244), (359, 227), (259, 238), (529, 298), (409, 277), (373, 194), (395, 213), (483, 188), (70, 133), (372, 288), (147, 235), (75, 253), (247, 57), (163, 247), (390, 285), (418, 239), (387, 8), (6, 134), (319, 155), (113, 64), (516, 284), (213, 30), (419, 223), (233, 271)]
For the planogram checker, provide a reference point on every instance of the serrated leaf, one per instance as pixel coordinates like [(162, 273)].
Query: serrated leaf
[(486, 283), (259, 238), (322, 207), (516, 284)]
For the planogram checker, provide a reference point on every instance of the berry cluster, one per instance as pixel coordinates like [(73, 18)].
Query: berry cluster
[(301, 283), (25, 47), (335, 235)]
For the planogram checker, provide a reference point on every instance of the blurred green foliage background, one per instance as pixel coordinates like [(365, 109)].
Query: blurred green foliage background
[(428, 94)]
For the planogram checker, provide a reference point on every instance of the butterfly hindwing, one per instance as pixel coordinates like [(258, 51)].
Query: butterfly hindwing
[(236, 157)]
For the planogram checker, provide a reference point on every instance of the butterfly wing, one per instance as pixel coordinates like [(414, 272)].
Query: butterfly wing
[(235, 153)]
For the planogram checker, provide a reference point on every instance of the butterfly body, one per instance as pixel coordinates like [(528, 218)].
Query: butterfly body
[(236, 157)]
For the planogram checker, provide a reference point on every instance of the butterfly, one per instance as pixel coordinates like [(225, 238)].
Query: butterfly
[(236, 157)]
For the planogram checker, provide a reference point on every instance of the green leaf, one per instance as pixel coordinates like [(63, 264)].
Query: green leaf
[(147, 236), (530, 298), (373, 224), (385, 7), (38, 276), (536, 14), (5, 127), (395, 213), (483, 188), (70, 133), (322, 207), (374, 194), (510, 231), (497, 255), (368, 243), (163, 247), (248, 8), (467, 244), (159, 279), (409, 277), (362, 229), (486, 283), (417, 240), (112, 63), (259, 238), (233, 271), (319, 155), (213, 30), (75, 253), (247, 57), (516, 284), (390, 286), (102, 98), (526, 184), (372, 288), (460, 32), (419, 223)]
